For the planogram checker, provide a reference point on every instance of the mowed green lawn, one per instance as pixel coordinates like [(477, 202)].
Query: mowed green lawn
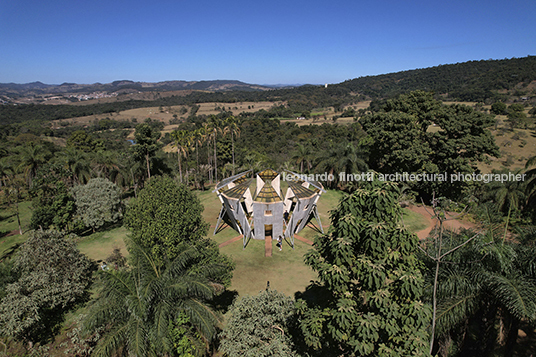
[(100, 245), (9, 227), (97, 246)]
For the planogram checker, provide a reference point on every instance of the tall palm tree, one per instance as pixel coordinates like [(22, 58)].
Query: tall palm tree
[(77, 163), (207, 129), (232, 127), (140, 304), (351, 158), (303, 156), (342, 157), (5, 170), (198, 137), (182, 140), (531, 186), (216, 126), (482, 283), (104, 163), (508, 196), (30, 158)]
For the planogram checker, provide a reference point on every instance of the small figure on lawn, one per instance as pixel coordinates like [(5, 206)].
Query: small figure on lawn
[(280, 243)]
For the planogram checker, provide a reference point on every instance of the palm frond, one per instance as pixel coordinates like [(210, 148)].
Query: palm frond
[(516, 294)]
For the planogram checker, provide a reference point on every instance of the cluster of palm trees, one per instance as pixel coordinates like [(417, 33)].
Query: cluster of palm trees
[(187, 141), (339, 157)]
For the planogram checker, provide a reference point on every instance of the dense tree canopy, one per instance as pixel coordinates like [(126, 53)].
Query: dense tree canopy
[(166, 215), (52, 277), (259, 326), (417, 134), (97, 202), (371, 279)]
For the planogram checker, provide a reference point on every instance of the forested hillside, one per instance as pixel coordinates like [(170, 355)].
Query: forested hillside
[(476, 81)]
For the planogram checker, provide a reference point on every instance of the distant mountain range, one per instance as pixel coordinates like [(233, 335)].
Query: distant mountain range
[(124, 86), (488, 81)]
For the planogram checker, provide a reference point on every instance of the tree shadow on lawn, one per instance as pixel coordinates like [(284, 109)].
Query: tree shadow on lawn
[(9, 252), (223, 301), (314, 294), (107, 227)]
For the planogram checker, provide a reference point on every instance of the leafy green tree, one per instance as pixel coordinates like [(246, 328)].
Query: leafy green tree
[(81, 140), (371, 281), (98, 202), (402, 141), (167, 214), (516, 115), (144, 307), (53, 278), (498, 108), (146, 144), (53, 202), (259, 326)]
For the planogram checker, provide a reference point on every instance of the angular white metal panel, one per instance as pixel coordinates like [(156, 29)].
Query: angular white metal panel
[(276, 184), (248, 200), (260, 185), (288, 199)]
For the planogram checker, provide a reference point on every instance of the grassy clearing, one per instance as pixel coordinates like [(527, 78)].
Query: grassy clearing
[(100, 245), (413, 221), (166, 113), (285, 270), (9, 234), (97, 246)]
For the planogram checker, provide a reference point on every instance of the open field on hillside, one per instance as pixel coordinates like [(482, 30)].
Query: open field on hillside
[(166, 113), (516, 148)]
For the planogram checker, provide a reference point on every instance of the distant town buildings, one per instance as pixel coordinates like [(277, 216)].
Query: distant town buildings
[(94, 95)]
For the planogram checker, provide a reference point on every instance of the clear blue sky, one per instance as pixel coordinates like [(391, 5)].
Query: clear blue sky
[(272, 42)]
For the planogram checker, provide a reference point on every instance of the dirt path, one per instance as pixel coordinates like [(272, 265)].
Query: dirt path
[(453, 224), (230, 241), (268, 246)]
